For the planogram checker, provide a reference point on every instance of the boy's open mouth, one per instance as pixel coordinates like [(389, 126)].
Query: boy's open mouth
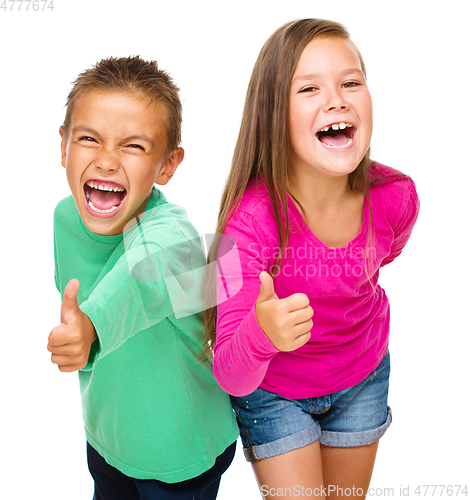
[(337, 136), (103, 198)]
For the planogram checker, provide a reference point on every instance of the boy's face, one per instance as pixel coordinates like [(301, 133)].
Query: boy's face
[(114, 152)]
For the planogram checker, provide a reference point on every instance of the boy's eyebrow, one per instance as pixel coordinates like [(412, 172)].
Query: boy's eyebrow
[(314, 75), (85, 129), (138, 137)]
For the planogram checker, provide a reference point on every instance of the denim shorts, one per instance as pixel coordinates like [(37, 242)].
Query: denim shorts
[(271, 424)]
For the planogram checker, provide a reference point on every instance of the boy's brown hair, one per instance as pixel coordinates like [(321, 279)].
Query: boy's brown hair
[(132, 74)]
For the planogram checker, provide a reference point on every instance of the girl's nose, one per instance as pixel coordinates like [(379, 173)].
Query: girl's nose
[(334, 101)]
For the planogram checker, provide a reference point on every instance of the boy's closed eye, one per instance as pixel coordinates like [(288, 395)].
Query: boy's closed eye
[(91, 139)]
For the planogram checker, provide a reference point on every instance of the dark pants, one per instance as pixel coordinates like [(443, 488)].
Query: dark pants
[(110, 484)]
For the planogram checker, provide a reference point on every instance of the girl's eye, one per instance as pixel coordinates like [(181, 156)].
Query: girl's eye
[(308, 89), (86, 138), (136, 146), (350, 84)]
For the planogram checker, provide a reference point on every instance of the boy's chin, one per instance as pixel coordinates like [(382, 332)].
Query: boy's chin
[(104, 228), (110, 224)]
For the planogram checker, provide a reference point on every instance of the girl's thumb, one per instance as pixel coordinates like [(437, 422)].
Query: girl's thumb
[(266, 291)]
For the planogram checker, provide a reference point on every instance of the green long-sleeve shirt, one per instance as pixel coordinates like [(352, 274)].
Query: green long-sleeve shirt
[(151, 406)]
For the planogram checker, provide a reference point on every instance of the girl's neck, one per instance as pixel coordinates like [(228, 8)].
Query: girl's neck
[(320, 193), (331, 210)]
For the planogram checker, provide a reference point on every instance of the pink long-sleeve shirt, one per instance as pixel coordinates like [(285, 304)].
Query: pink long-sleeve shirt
[(350, 329)]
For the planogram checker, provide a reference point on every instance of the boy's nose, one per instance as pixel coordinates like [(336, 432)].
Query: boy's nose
[(106, 162)]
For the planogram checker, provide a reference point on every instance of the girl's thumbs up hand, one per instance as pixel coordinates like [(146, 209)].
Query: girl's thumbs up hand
[(286, 322), (70, 342), (267, 288)]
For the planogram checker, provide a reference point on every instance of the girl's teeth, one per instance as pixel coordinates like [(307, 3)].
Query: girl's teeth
[(336, 126), (339, 147)]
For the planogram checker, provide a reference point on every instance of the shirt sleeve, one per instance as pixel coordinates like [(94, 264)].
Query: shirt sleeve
[(242, 352), (405, 225), (142, 289)]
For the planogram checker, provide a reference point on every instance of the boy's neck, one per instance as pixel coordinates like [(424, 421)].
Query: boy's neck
[(136, 218)]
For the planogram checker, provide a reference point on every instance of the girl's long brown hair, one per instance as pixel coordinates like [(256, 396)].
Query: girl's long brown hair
[(263, 147)]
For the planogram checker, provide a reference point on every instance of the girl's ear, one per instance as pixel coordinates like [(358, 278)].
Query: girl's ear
[(169, 167), (63, 145)]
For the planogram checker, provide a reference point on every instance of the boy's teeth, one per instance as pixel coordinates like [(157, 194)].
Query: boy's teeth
[(109, 210), (104, 188)]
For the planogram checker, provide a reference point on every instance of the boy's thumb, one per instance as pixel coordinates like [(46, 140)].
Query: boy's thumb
[(69, 304), (266, 291)]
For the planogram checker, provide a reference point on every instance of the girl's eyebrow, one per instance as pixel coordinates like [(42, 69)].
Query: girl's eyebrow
[(313, 76)]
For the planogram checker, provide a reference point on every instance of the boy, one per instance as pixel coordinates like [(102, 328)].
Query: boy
[(156, 422)]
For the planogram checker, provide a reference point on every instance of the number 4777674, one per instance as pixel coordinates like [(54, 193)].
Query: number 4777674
[(25, 5), (440, 490)]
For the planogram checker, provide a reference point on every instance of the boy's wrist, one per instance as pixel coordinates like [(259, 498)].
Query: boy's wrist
[(89, 329)]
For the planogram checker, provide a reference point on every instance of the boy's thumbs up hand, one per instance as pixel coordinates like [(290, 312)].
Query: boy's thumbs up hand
[(70, 342), (69, 309), (286, 322)]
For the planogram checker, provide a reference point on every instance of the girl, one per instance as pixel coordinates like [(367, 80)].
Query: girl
[(302, 347)]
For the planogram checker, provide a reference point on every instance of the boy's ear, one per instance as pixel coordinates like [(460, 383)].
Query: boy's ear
[(169, 167), (63, 145)]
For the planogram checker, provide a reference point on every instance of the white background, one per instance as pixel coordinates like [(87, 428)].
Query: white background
[(416, 53)]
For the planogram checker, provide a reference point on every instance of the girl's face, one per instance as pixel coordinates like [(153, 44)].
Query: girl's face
[(330, 114)]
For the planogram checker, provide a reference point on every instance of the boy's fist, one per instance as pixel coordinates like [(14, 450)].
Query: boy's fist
[(286, 322), (70, 342)]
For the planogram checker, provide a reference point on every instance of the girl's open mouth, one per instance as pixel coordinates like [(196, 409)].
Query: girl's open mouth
[(102, 198), (337, 136)]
